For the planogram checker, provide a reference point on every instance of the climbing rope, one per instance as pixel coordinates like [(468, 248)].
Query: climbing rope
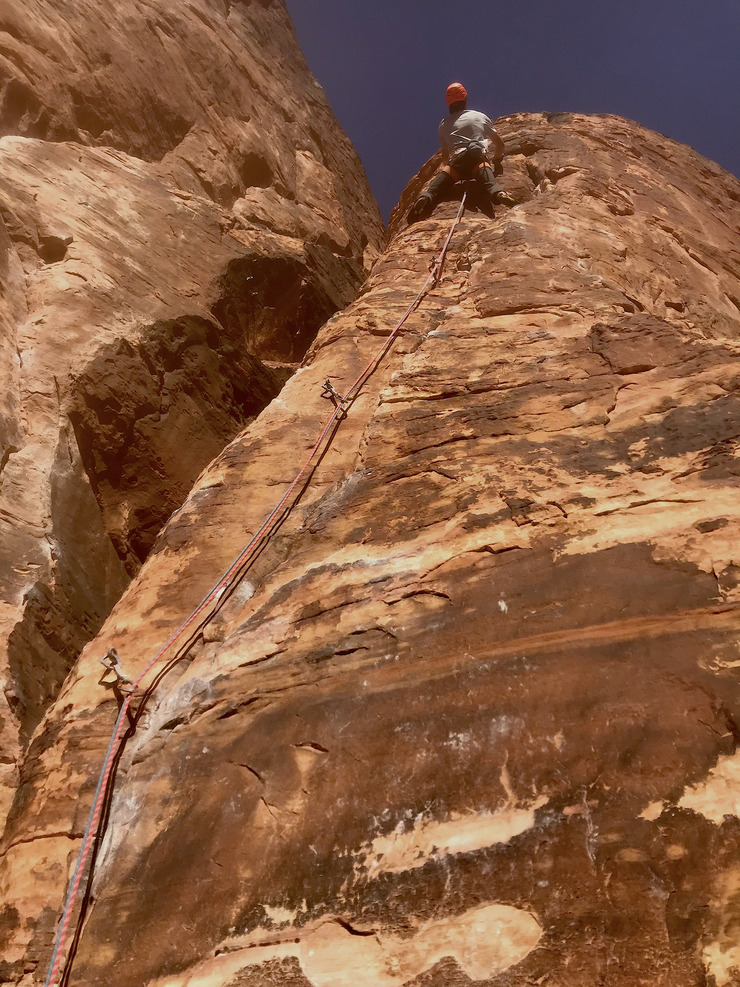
[(341, 404)]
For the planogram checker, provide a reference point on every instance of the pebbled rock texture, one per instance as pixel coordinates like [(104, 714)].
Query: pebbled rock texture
[(472, 714), (179, 214)]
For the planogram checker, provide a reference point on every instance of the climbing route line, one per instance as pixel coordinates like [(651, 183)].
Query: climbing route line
[(341, 406)]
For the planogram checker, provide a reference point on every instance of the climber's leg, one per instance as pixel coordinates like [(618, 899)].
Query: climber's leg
[(495, 195), (435, 190)]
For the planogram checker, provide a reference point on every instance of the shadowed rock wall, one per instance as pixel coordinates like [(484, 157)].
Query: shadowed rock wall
[(472, 714), (179, 214)]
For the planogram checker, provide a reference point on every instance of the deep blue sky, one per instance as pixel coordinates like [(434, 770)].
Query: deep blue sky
[(672, 65)]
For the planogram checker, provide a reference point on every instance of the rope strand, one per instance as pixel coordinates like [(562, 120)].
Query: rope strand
[(213, 594)]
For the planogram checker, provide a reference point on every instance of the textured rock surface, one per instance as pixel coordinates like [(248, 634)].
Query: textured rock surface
[(472, 714), (180, 214)]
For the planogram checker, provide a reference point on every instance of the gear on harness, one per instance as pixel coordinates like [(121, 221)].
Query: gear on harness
[(464, 160)]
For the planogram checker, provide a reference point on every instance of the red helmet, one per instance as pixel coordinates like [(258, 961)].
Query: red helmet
[(456, 93)]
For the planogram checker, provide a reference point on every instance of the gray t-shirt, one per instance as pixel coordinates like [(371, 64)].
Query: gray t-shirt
[(459, 129)]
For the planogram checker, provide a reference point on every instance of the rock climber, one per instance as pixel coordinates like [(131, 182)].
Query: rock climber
[(469, 143)]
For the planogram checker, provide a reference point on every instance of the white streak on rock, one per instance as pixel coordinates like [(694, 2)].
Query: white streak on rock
[(652, 811), (722, 955), (281, 916), (719, 794), (430, 840), (484, 941)]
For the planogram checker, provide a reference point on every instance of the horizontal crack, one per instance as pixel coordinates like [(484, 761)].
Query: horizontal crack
[(643, 503), (247, 767), (466, 392), (313, 746), (45, 836)]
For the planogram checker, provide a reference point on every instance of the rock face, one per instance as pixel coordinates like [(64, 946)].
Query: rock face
[(471, 715), (180, 214)]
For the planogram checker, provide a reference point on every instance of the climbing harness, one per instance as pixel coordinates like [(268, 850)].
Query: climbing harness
[(465, 159), (128, 687)]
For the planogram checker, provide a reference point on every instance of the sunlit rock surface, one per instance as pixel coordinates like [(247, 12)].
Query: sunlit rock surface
[(472, 714), (179, 214)]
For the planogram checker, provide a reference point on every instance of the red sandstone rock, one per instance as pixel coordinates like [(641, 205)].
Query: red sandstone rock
[(472, 713), (180, 213), (216, 93)]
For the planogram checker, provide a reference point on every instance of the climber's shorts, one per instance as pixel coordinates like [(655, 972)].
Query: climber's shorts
[(465, 160)]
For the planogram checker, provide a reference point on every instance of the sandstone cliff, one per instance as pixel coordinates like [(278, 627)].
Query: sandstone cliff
[(472, 713), (180, 213)]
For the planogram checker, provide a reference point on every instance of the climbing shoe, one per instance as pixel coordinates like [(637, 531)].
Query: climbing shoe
[(424, 205), (421, 209), (504, 199)]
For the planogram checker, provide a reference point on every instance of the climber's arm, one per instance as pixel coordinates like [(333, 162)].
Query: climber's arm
[(496, 147)]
